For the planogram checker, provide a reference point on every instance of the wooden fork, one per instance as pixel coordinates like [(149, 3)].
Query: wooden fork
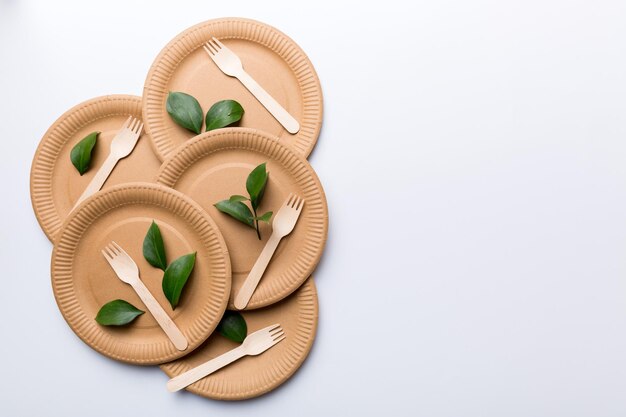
[(284, 222), (121, 146), (230, 64), (127, 271), (255, 344)]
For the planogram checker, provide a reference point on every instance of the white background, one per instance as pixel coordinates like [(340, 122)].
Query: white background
[(473, 157)]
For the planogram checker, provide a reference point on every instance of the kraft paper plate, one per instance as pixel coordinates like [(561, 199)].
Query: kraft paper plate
[(252, 376), (268, 55), (214, 165), (83, 281), (55, 184)]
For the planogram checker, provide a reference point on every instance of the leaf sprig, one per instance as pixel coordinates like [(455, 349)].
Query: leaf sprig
[(234, 206), (153, 248), (175, 275), (223, 113), (233, 326), (186, 111), (117, 313), (80, 155)]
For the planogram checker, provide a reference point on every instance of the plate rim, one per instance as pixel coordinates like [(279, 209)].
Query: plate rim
[(222, 139), (179, 42), (309, 284), (170, 193), (41, 172)]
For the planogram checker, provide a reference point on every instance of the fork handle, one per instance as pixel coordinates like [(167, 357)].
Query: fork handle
[(284, 118), (98, 180), (195, 374), (251, 282), (169, 327)]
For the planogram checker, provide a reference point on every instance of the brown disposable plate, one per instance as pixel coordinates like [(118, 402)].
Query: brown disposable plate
[(55, 184), (252, 376), (83, 281), (268, 55), (214, 165)]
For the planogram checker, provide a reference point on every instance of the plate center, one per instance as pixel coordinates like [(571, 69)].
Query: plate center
[(98, 279), (199, 76), (219, 183)]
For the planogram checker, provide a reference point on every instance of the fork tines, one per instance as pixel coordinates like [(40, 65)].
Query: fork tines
[(277, 334), (110, 251), (213, 46), (133, 124), (294, 201)]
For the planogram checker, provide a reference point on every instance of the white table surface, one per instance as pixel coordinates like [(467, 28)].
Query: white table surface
[(473, 155)]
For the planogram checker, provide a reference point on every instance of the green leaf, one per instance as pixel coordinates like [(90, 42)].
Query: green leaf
[(237, 210), (153, 249), (117, 313), (176, 276), (255, 184), (185, 110), (233, 326), (235, 198), (81, 152), (265, 217), (222, 114)]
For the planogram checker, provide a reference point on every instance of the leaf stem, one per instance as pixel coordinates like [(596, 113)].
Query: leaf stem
[(256, 222)]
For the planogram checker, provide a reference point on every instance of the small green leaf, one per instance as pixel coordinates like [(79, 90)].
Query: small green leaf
[(81, 152), (176, 276), (265, 217), (235, 198), (255, 184), (237, 210), (185, 110), (233, 326), (222, 114), (117, 313), (153, 249)]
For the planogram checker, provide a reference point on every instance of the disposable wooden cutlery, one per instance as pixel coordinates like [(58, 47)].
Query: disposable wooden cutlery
[(121, 146), (126, 269), (255, 344), (284, 222), (230, 64)]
